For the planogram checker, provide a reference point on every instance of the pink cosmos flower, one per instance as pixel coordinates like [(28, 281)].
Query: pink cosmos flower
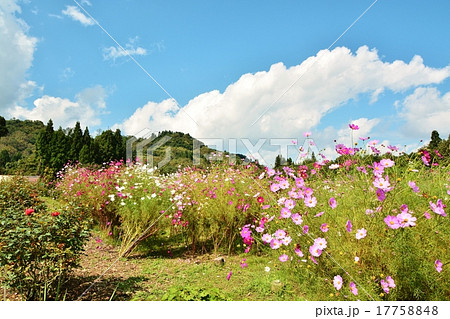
[(289, 203), (270, 172), (406, 220), (348, 226), (275, 244), (361, 233), (284, 184), (299, 182), (381, 183), (286, 240), (280, 234), (315, 250), (354, 127), (324, 227), (243, 263), (413, 186), (297, 219), (265, 206), (283, 258), (310, 201), (321, 243), (387, 162), (259, 229), (438, 265), (266, 238), (353, 288), (275, 187), (438, 208), (404, 208), (285, 212), (378, 169), (308, 192), (319, 214), (298, 252), (229, 275), (390, 282), (313, 259), (364, 138), (332, 202), (427, 215), (307, 134), (392, 222), (337, 282), (385, 286)]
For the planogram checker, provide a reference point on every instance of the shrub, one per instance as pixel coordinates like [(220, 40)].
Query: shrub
[(38, 247)]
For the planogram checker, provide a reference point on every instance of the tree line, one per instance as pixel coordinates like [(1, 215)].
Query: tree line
[(55, 148)]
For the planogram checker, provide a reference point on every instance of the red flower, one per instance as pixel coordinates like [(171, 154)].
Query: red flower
[(55, 214), (29, 211)]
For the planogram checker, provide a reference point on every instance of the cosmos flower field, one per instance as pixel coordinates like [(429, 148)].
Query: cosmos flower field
[(366, 226)]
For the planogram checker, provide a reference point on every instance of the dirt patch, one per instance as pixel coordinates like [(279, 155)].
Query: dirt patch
[(121, 277)]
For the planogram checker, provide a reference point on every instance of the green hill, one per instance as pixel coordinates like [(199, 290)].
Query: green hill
[(32, 148)]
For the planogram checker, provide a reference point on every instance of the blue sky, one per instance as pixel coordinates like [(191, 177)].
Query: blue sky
[(228, 64)]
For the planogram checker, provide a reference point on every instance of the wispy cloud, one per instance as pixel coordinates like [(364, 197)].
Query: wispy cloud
[(130, 49), (76, 15)]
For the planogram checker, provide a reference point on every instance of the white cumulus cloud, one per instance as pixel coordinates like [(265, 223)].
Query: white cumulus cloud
[(425, 110), (16, 56), (328, 81), (86, 108)]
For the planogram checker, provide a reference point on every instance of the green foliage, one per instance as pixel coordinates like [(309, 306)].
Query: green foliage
[(3, 129), (38, 247), (194, 294)]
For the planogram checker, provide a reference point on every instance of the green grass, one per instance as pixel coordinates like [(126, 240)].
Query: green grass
[(176, 278)]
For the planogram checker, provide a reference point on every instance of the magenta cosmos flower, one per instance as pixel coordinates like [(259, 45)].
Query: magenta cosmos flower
[(392, 222), (349, 226), (337, 282), (361, 233), (229, 275), (353, 288), (438, 265), (332, 202), (324, 227), (354, 127)]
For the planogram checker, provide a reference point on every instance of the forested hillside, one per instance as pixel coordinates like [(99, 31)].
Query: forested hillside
[(32, 148)]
